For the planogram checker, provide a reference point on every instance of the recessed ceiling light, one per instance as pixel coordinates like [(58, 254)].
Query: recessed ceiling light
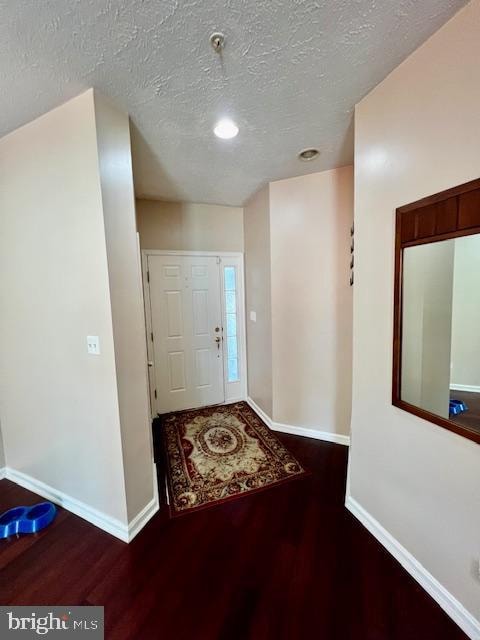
[(308, 154), (225, 129)]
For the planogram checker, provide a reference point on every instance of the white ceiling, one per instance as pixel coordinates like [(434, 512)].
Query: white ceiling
[(290, 75)]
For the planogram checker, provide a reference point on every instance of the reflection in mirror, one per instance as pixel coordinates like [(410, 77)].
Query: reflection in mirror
[(440, 355)]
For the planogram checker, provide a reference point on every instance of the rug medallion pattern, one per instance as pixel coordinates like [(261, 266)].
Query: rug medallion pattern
[(221, 452)]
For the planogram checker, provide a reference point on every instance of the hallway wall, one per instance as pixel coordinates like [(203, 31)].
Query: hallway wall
[(466, 313), (74, 425), (427, 326), (59, 405), (182, 226), (126, 297), (417, 133), (258, 297), (297, 257), (2, 450), (310, 219)]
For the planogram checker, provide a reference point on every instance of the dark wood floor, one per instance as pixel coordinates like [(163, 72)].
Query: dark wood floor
[(470, 418), (289, 563)]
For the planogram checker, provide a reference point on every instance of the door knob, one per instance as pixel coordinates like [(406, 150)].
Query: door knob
[(150, 363)]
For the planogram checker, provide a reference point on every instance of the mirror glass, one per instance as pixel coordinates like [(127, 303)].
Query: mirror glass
[(440, 361)]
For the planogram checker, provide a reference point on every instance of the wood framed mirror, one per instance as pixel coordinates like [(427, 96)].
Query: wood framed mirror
[(436, 337)]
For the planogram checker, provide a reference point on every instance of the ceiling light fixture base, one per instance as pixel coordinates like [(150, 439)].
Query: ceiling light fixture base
[(217, 40)]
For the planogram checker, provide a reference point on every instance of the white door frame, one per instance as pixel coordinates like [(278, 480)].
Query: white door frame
[(242, 342)]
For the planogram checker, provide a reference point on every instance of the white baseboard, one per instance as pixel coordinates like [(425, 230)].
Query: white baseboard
[(317, 434), (140, 520), (260, 412), (3, 473), (115, 527), (451, 606), (464, 387)]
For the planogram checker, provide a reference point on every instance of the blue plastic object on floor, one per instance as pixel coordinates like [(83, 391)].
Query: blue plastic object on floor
[(27, 519), (456, 407)]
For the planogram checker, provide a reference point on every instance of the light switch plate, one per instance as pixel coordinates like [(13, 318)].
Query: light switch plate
[(93, 345), (253, 316)]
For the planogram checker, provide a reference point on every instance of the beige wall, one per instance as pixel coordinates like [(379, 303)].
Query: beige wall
[(415, 134), (2, 451), (59, 406), (297, 266), (69, 264), (310, 220), (115, 164), (189, 227), (258, 299), (466, 313), (427, 325)]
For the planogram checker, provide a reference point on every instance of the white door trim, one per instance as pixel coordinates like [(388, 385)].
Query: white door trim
[(206, 254), (224, 256)]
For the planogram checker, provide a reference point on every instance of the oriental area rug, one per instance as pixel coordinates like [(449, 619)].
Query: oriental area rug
[(220, 453)]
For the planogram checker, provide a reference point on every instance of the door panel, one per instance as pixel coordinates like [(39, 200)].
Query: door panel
[(203, 374), (176, 369), (174, 307), (186, 310), (200, 312)]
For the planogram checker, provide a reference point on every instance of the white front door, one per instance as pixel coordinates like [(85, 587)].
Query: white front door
[(186, 320)]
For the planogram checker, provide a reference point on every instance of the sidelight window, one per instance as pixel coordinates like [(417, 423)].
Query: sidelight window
[(231, 309)]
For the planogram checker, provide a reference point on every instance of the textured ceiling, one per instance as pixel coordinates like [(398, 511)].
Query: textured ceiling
[(290, 75)]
